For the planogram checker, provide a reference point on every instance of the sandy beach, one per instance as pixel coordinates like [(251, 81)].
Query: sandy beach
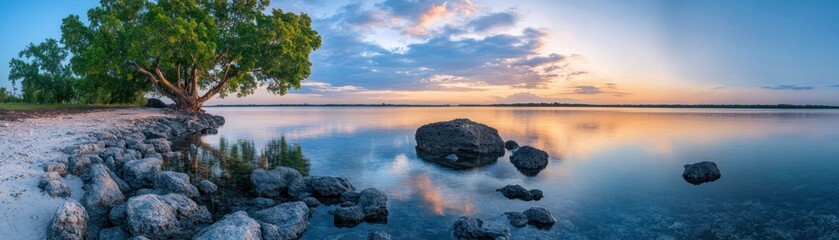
[(26, 145)]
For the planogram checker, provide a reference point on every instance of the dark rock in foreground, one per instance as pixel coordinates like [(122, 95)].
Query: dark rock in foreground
[(475, 228), (529, 160), (519, 192), (539, 217), (701, 172), (234, 226), (511, 145), (70, 222), (473, 143)]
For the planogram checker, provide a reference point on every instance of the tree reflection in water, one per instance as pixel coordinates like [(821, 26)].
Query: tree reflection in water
[(230, 165)]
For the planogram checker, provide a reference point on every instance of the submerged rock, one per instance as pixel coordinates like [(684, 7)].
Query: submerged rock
[(473, 144), (284, 221), (475, 228), (371, 207), (234, 226), (519, 192), (701, 172), (517, 219), (529, 160), (511, 145), (70, 222)]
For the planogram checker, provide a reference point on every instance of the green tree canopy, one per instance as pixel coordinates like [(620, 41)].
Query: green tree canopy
[(43, 75), (191, 50)]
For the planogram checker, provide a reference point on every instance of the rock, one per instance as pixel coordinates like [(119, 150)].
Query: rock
[(262, 202), (113, 233), (373, 203), (348, 216), (70, 222), (234, 226), (311, 202), (329, 186), (169, 156), (155, 103), (539, 217), (701, 172), (275, 182), (58, 188), (519, 192), (102, 192), (114, 157), (378, 235), (118, 215), (473, 143), (139, 238), (350, 197), (47, 177), (193, 149), (529, 160), (348, 204), (141, 173), (175, 182), (60, 168), (475, 228), (517, 219), (161, 145), (299, 189), (163, 217), (207, 187), (211, 131), (79, 164), (511, 145), (284, 221)]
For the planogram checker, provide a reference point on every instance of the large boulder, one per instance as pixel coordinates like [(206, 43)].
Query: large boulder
[(163, 217), (701, 172), (141, 173), (70, 222), (102, 192), (284, 221), (234, 226), (473, 143), (539, 217), (475, 228), (519, 192), (175, 182), (529, 160), (275, 182), (326, 186)]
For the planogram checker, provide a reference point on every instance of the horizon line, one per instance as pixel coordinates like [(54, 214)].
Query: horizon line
[(544, 104)]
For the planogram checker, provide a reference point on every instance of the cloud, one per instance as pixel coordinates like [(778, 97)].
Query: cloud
[(609, 88), (326, 87), (836, 86), (528, 97), (493, 21), (586, 90), (788, 87), (419, 17)]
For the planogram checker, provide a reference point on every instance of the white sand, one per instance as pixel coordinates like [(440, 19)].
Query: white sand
[(25, 146)]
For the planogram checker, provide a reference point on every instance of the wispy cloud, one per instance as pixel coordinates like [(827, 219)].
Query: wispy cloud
[(608, 88), (788, 87), (836, 86)]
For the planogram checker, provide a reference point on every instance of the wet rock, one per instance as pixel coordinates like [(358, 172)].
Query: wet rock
[(234, 226), (113, 233), (511, 145), (284, 221), (475, 228), (701, 172), (539, 217), (349, 216), (378, 235), (519, 192), (371, 207), (329, 186), (275, 182), (207, 187), (175, 182), (155, 103), (262, 202), (162, 217), (517, 219), (311, 202), (60, 168), (473, 143), (102, 192), (529, 160), (141, 173), (69, 222), (350, 197)]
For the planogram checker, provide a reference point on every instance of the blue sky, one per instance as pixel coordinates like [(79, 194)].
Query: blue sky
[(460, 51)]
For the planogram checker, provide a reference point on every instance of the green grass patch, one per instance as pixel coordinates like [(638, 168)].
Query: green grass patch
[(58, 106)]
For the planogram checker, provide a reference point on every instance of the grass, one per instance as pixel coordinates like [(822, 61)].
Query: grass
[(57, 106)]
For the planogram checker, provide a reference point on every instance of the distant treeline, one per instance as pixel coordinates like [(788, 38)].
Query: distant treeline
[(740, 106)]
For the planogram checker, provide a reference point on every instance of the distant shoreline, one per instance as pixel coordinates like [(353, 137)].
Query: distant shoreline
[(572, 105)]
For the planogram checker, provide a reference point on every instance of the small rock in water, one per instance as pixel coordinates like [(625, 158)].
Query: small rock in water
[(539, 217), (378, 235), (517, 219), (701, 172), (519, 192), (529, 160), (511, 145), (475, 228)]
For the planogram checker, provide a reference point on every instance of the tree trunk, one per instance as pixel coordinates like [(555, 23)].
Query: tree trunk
[(188, 104)]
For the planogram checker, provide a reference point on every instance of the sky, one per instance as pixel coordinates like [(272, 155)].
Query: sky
[(494, 51)]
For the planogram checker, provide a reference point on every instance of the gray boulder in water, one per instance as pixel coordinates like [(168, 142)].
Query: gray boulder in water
[(475, 228), (70, 222), (326, 186), (473, 143), (529, 160), (519, 192), (234, 226), (284, 221), (371, 207), (517, 219), (539, 217), (701, 172), (275, 182)]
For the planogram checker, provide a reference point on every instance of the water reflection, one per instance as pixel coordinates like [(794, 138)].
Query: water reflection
[(229, 165)]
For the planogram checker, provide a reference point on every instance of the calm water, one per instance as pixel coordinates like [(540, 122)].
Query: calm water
[(614, 173)]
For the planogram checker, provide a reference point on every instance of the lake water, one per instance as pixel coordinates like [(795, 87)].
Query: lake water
[(613, 173)]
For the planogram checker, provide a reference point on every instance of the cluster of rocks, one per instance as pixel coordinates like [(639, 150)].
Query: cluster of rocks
[(126, 192), (701, 172), (519, 192)]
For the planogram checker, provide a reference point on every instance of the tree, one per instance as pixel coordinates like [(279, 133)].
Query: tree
[(4, 94), (183, 47), (44, 78)]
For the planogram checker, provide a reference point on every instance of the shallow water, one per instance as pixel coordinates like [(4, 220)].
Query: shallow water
[(614, 173)]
